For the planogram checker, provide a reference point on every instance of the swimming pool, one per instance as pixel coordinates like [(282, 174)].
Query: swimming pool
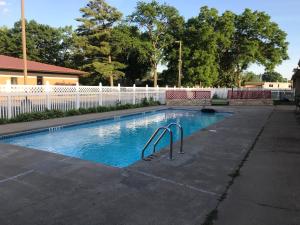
[(118, 141)]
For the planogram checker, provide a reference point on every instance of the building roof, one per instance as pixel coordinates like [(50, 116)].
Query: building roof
[(16, 64)]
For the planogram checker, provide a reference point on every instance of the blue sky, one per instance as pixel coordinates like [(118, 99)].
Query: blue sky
[(63, 12)]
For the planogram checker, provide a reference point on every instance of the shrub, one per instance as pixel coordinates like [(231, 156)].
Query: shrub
[(26, 117), (215, 96), (145, 102), (83, 110), (3, 121), (38, 116), (72, 112), (56, 113), (91, 110), (101, 109), (118, 103)]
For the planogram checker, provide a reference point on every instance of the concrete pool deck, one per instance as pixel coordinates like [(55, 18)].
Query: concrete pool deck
[(38, 187)]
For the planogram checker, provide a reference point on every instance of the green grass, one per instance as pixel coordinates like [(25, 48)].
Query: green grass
[(217, 102)]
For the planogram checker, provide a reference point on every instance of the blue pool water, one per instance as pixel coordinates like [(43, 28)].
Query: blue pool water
[(116, 142)]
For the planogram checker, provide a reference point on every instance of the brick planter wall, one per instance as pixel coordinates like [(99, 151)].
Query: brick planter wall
[(249, 102), (188, 102), (188, 97)]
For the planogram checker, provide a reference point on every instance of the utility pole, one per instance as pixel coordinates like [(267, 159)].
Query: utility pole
[(24, 41), (179, 63)]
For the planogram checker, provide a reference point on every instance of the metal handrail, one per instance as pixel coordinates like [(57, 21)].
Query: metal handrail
[(153, 136), (181, 137)]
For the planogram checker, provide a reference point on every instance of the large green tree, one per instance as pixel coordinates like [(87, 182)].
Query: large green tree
[(94, 41), (225, 31), (255, 39), (201, 65), (273, 76), (157, 21), (5, 41), (219, 48), (131, 48), (44, 43), (250, 77)]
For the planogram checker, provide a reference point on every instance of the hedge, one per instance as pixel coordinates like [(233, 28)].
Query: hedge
[(51, 114)]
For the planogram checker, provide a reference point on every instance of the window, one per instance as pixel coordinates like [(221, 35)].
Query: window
[(39, 80), (14, 80), (270, 85)]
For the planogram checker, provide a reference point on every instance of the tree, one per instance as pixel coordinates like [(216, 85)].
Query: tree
[(131, 49), (95, 44), (171, 54), (200, 59), (157, 20), (4, 41), (256, 39), (225, 30), (44, 43), (250, 77), (219, 48), (273, 77)]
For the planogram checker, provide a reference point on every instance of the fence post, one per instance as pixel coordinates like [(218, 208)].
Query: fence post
[(213, 91), (133, 100), (119, 93), (8, 91), (77, 96), (100, 100), (47, 90), (165, 95), (147, 91), (157, 93)]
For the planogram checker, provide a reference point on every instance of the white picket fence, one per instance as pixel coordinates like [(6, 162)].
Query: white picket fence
[(19, 99)]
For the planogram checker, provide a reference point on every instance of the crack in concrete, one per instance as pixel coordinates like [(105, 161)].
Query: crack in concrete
[(213, 215), (16, 176), (278, 151), (287, 152), (174, 182), (276, 207)]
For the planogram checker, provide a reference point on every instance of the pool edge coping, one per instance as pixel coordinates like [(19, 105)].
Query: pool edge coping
[(102, 116), (94, 120), (159, 153)]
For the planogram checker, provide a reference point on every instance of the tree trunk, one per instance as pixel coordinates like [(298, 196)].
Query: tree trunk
[(239, 80), (155, 75), (238, 76), (111, 78)]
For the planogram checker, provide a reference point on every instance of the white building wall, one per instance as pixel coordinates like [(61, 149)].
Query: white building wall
[(277, 85)]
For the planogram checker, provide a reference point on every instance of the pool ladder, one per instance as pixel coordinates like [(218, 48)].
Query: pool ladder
[(165, 130)]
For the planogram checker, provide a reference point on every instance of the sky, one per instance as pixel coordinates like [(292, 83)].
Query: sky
[(63, 12)]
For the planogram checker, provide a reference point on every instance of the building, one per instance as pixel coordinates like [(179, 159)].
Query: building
[(38, 73), (269, 85), (296, 80)]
